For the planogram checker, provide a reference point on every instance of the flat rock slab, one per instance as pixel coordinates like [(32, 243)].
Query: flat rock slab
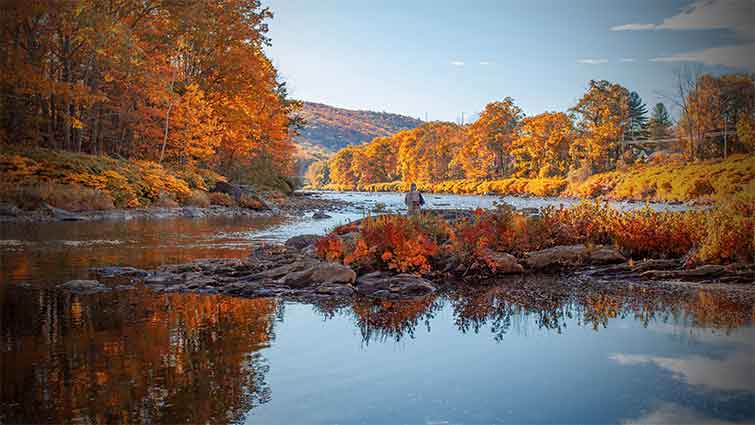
[(572, 255), (84, 286), (388, 285)]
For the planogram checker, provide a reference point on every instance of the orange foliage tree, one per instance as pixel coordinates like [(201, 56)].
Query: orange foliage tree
[(183, 82)]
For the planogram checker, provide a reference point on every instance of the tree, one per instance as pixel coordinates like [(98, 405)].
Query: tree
[(635, 129), (542, 146), (602, 115), (187, 81), (659, 124), (486, 152), (318, 173)]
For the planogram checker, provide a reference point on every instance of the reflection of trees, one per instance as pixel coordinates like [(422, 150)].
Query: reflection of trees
[(132, 357), (381, 320), (504, 307), (548, 306)]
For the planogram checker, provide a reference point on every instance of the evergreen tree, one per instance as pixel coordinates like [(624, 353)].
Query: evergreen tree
[(660, 123), (635, 128)]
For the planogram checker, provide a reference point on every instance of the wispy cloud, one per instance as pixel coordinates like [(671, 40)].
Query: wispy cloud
[(634, 27), (592, 61), (626, 60), (734, 15), (457, 63), (739, 56), (484, 63)]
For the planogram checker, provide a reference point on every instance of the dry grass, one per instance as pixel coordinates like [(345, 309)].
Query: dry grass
[(69, 197)]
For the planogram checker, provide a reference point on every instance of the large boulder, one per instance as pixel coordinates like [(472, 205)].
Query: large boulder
[(300, 242), (501, 262), (317, 274), (383, 284), (572, 255)]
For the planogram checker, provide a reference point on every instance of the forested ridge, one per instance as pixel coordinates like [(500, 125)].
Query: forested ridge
[(334, 128), (183, 83), (717, 118)]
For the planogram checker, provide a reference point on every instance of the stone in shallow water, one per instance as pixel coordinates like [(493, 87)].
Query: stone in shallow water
[(84, 286), (119, 271), (382, 284), (300, 242)]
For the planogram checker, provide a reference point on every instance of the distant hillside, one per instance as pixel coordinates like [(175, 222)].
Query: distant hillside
[(329, 129), (333, 128)]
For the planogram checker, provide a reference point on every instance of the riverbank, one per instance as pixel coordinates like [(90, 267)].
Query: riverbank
[(41, 185), (35, 178), (295, 205), (702, 182)]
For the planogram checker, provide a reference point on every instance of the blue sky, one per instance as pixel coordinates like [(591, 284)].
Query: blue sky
[(447, 57)]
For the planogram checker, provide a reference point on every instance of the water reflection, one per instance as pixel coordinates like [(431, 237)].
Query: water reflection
[(132, 357), (503, 308)]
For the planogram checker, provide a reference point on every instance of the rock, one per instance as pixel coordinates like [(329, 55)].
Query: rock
[(228, 189), (335, 290), (84, 286), (119, 271), (699, 273), (161, 279), (63, 215), (320, 215), (572, 255), (9, 210), (501, 262), (382, 284), (319, 274), (300, 242), (605, 255)]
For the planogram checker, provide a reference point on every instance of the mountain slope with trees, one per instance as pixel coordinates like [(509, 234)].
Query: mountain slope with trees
[(334, 128)]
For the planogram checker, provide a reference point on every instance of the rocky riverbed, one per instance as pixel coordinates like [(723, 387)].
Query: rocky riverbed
[(293, 271)]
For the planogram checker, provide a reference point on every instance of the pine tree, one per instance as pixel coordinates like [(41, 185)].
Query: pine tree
[(635, 128), (660, 122)]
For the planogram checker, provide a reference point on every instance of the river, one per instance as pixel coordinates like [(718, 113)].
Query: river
[(495, 354)]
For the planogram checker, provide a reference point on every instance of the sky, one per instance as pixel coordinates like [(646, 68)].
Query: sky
[(443, 58)]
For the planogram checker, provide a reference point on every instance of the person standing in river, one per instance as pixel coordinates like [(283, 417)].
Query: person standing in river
[(414, 200)]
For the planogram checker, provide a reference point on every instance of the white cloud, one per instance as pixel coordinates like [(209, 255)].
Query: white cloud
[(714, 374), (626, 60), (734, 15), (634, 27), (484, 63), (457, 63), (739, 56), (737, 15), (592, 61)]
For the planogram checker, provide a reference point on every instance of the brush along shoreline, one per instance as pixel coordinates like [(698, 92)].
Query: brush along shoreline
[(343, 265)]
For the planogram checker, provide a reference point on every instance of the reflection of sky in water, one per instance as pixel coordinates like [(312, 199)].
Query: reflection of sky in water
[(324, 372)]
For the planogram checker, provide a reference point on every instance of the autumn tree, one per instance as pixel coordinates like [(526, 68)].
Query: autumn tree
[(542, 146), (486, 152), (183, 82), (342, 170), (318, 173), (602, 115)]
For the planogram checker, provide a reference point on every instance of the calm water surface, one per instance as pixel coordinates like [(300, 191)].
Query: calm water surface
[(497, 354)]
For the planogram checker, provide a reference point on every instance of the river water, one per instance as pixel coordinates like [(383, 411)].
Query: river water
[(495, 354)]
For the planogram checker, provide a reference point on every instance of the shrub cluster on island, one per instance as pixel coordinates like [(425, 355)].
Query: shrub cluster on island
[(396, 257)]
